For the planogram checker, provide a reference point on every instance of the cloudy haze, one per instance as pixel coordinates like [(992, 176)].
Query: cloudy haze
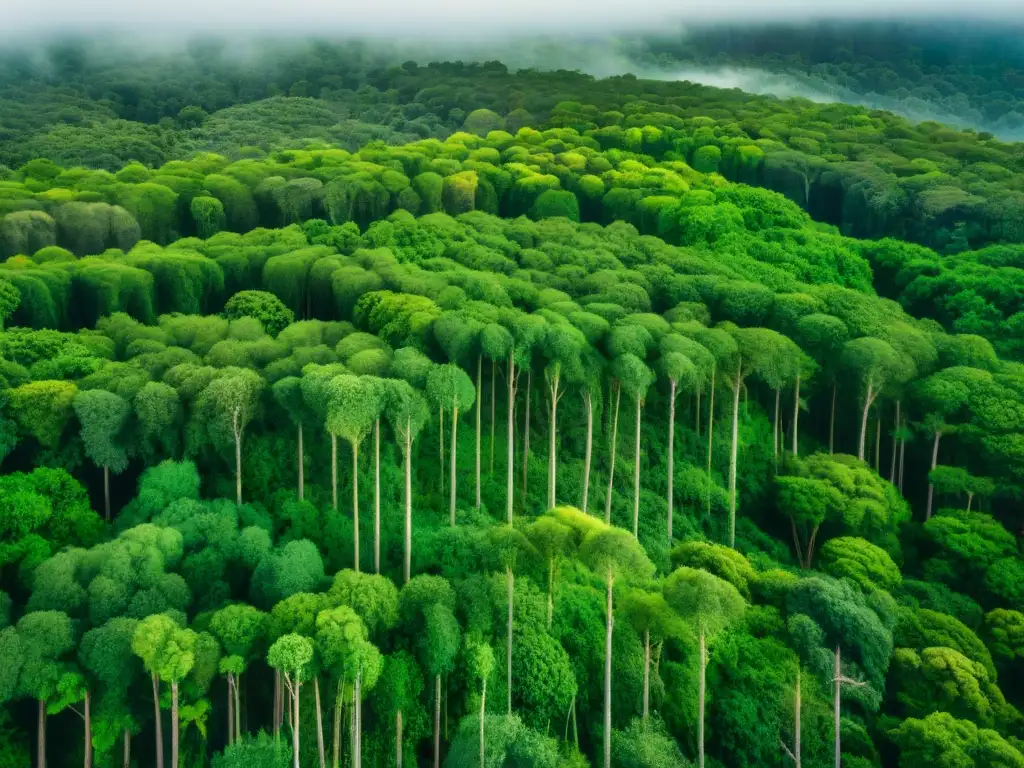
[(450, 19)]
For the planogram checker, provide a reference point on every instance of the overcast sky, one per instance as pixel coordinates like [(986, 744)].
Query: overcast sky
[(450, 19)]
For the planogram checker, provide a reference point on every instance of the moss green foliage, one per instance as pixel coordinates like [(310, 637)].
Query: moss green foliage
[(465, 303)]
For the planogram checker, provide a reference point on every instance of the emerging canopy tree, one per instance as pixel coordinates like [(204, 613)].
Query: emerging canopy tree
[(225, 408), (711, 604), (291, 654), (653, 619), (407, 413), (450, 388), (104, 416), (875, 365)]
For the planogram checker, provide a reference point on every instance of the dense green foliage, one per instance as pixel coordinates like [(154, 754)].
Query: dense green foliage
[(347, 512)]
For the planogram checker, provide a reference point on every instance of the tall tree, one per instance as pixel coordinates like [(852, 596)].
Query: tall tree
[(291, 654), (225, 408), (711, 604), (652, 618), (407, 413), (450, 388), (104, 417), (875, 365)]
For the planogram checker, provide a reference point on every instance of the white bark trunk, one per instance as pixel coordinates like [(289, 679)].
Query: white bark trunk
[(671, 457), (376, 496), (935, 462), (608, 675), (510, 491), (711, 431), (796, 417), (734, 453), (451, 458), (869, 399), (407, 563), (552, 456), (701, 689), (611, 460), (355, 506), (510, 582), (479, 398), (636, 471), (238, 456), (589, 406)]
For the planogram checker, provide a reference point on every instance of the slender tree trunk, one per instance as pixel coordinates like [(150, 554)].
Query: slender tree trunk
[(106, 493), (355, 506), (334, 472), (609, 621), (734, 451), (357, 715), (295, 724), (437, 721), (238, 457), (671, 456), (869, 400), (611, 459), (277, 705), (832, 421), (41, 734), (126, 749), (647, 673), (775, 427), (809, 560), (526, 436), (319, 723), (494, 367), (398, 739), (483, 708), (701, 689), (440, 444), (797, 546), (552, 456), (970, 500), (589, 406), (711, 431), (510, 492), (376, 496), (157, 724), (238, 705), (935, 462), (896, 426), (301, 461), (696, 416), (796, 417), (87, 716), (451, 458), (510, 583), (174, 724), (407, 461), (479, 398), (835, 711), (636, 470), (336, 744), (903, 448), (231, 710)]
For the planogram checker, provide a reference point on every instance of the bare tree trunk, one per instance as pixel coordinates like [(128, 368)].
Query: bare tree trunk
[(609, 621), (832, 421), (896, 426), (878, 438), (734, 451), (526, 435), (278, 715), (238, 457), (510, 492), (711, 431), (238, 706), (106, 493), (407, 562), (671, 456), (41, 735), (611, 460), (935, 462), (483, 709), (174, 724), (869, 400), (589, 405), (126, 749), (552, 456), (355, 506), (796, 721), (701, 690), (903, 448), (493, 392), (157, 724), (647, 673), (437, 721), (796, 417), (336, 745), (970, 500), (87, 716), (696, 416), (295, 724), (510, 582), (551, 590), (319, 723), (479, 398), (301, 461), (376, 496), (357, 715), (440, 444), (334, 472), (231, 710), (636, 471), (835, 711), (398, 739), (451, 458)]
